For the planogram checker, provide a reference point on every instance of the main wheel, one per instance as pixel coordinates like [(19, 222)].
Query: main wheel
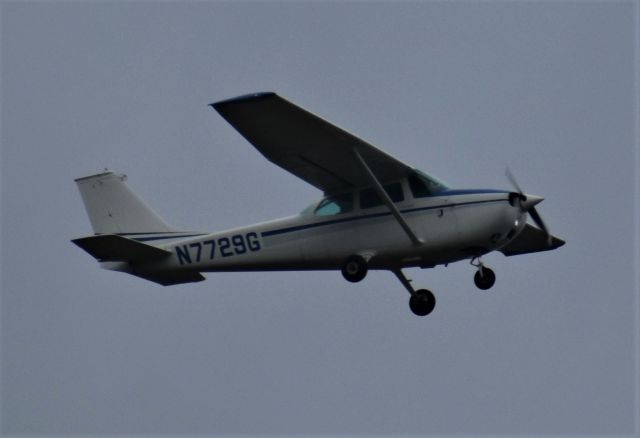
[(354, 269), (485, 278), (422, 302)]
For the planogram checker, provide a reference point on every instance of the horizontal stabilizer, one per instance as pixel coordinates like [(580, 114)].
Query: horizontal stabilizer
[(531, 239), (111, 248), (171, 277)]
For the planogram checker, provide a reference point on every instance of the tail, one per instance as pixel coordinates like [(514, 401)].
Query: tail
[(113, 207), (118, 217)]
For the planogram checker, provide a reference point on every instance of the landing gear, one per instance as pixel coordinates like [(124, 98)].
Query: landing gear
[(354, 269), (422, 301), (485, 278)]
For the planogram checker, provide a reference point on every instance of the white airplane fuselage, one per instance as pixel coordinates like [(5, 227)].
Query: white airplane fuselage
[(454, 225)]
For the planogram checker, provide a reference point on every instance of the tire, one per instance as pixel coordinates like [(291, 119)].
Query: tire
[(354, 269), (484, 280), (422, 302)]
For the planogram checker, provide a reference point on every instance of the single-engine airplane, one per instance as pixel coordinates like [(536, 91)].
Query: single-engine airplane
[(376, 213)]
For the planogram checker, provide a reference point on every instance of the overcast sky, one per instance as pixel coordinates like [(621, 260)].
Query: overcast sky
[(458, 89)]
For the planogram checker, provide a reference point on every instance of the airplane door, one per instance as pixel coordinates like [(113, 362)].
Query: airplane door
[(440, 224), (334, 234)]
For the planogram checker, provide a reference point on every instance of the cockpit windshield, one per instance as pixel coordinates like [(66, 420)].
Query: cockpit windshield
[(423, 185)]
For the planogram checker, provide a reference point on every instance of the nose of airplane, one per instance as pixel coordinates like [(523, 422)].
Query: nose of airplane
[(531, 201)]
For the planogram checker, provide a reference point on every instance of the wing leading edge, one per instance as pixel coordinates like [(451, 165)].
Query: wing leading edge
[(304, 144)]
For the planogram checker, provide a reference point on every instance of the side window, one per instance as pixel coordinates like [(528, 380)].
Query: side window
[(335, 205), (369, 198)]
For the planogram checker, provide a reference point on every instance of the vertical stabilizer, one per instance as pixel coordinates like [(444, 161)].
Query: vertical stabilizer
[(113, 208)]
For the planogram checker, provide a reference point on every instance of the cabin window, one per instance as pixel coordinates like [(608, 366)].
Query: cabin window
[(369, 197), (422, 186), (333, 205)]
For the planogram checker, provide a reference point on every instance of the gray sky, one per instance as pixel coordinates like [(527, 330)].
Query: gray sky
[(461, 90)]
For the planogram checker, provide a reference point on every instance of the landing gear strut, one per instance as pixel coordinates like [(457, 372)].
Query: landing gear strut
[(422, 301), (484, 278)]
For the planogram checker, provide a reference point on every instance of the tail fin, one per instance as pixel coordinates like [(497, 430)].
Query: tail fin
[(113, 208)]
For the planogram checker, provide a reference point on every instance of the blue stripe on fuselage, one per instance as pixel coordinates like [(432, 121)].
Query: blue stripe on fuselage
[(450, 192), (375, 215), (159, 236)]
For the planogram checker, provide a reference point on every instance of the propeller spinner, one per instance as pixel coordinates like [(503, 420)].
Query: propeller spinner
[(527, 204)]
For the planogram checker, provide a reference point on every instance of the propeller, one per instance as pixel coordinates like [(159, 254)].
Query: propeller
[(527, 204)]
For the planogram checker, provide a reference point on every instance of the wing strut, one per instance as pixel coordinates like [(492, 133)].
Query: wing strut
[(387, 200)]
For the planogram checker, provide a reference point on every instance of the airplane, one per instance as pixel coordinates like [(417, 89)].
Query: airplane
[(376, 213)]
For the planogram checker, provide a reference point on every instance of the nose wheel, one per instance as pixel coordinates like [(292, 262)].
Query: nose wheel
[(484, 278)]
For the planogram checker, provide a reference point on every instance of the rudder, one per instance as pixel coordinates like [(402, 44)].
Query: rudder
[(114, 208)]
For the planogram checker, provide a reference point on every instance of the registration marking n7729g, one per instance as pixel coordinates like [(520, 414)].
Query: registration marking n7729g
[(237, 244)]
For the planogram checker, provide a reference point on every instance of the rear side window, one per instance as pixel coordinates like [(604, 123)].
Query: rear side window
[(369, 198)]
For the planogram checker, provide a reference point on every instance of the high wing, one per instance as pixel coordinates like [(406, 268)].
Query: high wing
[(531, 239), (306, 145)]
